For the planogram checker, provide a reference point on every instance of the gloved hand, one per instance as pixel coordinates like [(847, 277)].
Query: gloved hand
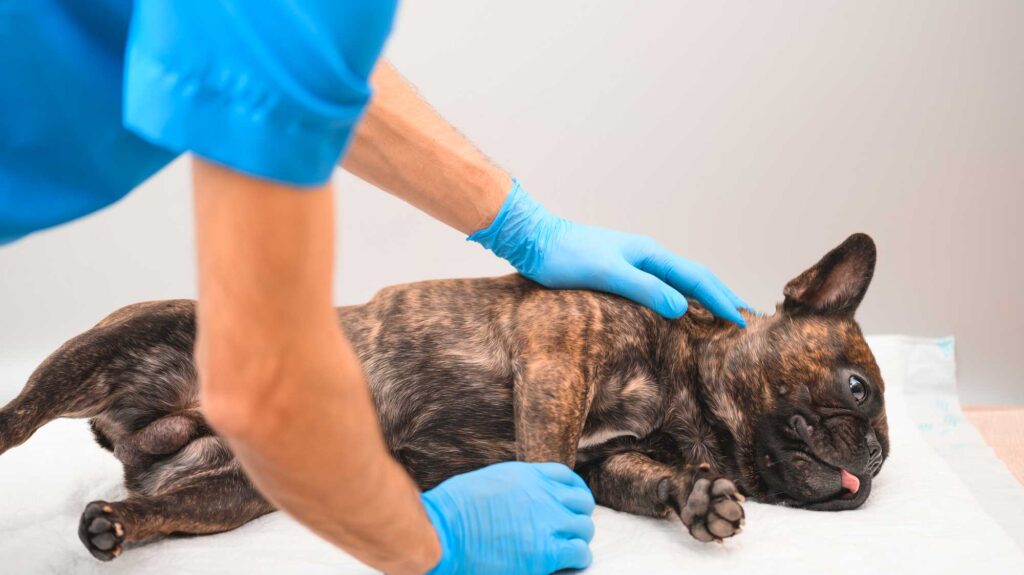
[(558, 253), (514, 517)]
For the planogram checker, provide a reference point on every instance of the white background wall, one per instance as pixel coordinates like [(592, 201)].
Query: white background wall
[(749, 136)]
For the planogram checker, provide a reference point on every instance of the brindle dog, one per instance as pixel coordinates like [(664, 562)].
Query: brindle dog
[(658, 416)]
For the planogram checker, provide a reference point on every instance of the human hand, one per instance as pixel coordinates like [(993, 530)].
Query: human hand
[(513, 517), (558, 253)]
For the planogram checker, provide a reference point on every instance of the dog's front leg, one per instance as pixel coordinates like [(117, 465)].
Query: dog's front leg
[(551, 402), (708, 504)]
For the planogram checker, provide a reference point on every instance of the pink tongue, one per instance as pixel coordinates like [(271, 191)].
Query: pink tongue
[(849, 481)]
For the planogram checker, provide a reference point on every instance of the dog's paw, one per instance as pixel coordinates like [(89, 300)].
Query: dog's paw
[(101, 531), (713, 510)]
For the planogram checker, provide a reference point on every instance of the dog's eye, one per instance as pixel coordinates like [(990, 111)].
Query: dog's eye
[(858, 388)]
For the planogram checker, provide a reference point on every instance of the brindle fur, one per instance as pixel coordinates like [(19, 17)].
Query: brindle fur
[(658, 416)]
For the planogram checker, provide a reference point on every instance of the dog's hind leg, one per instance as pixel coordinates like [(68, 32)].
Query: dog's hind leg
[(209, 505), (66, 384), (199, 489), (86, 374)]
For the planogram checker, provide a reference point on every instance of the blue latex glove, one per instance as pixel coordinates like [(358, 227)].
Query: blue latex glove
[(558, 253), (514, 517)]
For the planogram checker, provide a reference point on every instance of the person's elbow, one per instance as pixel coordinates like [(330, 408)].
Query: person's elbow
[(237, 400)]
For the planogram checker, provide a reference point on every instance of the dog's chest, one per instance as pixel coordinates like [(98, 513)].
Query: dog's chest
[(623, 405)]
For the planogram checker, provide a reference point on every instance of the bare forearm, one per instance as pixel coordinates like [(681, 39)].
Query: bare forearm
[(406, 148), (280, 381)]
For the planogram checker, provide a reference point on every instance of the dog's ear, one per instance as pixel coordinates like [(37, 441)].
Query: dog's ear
[(836, 284)]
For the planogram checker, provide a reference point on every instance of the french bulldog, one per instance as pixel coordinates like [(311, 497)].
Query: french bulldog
[(660, 417)]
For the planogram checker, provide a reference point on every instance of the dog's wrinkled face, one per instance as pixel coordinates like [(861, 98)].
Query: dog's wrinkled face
[(826, 435), (822, 434)]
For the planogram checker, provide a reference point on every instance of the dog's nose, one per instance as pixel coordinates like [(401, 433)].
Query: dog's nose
[(874, 453), (874, 450)]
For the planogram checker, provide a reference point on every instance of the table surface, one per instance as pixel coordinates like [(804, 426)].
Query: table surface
[(1003, 429)]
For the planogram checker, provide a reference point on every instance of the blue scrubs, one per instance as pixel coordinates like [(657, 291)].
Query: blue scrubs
[(98, 95)]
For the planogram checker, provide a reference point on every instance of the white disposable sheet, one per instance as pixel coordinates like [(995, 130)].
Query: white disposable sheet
[(942, 504)]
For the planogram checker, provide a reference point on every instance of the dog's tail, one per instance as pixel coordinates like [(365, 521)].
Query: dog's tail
[(89, 372)]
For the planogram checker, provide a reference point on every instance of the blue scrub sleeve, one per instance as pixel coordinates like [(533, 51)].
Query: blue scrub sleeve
[(271, 88)]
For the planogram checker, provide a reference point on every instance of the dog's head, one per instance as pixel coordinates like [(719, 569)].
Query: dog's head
[(817, 432)]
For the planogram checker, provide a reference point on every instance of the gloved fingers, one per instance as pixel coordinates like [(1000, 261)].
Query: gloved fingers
[(736, 300), (646, 289), (575, 499), (573, 526), (572, 554), (560, 473), (707, 293), (695, 281)]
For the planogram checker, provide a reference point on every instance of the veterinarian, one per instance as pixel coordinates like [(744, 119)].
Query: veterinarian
[(97, 96)]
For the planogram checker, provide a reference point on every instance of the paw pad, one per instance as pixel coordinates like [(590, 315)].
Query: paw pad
[(101, 531), (713, 510)]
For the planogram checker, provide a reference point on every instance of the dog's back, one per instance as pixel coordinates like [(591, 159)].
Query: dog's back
[(439, 356)]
